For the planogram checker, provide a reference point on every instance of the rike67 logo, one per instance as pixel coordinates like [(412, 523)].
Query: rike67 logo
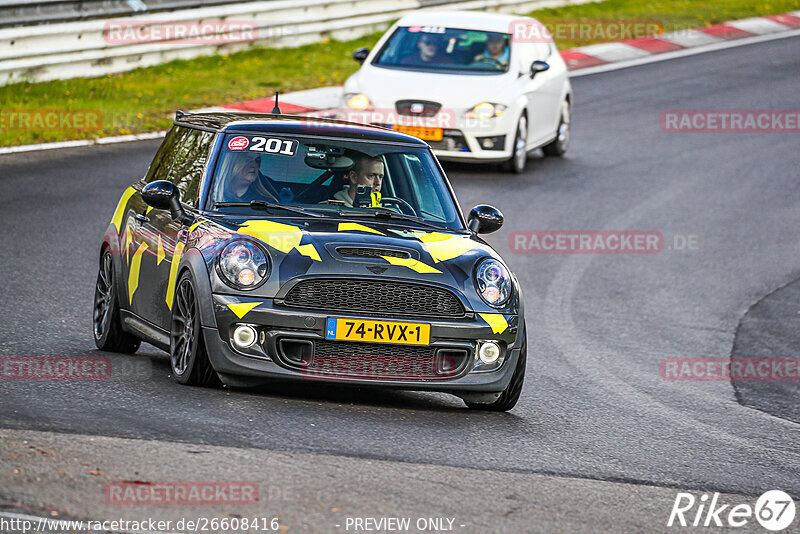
[(774, 510)]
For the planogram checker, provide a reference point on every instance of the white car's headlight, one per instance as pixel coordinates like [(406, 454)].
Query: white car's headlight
[(357, 101), (486, 110), (493, 282), (243, 264)]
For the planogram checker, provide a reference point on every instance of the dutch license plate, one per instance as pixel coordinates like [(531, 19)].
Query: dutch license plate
[(426, 134), (378, 331)]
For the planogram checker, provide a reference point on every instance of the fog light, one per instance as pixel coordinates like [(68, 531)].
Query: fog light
[(489, 352), (244, 336)]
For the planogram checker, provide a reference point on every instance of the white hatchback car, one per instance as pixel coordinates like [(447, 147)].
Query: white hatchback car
[(479, 87)]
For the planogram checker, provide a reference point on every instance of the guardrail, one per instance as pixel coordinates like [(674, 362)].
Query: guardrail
[(29, 12), (91, 48)]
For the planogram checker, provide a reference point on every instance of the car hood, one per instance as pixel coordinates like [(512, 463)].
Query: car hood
[(319, 248), (384, 86)]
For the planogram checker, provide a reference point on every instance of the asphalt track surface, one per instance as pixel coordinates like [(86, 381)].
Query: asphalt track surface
[(594, 405)]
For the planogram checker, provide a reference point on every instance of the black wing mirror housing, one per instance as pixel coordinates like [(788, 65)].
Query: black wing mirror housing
[(484, 219), (539, 66), (164, 195), (361, 54)]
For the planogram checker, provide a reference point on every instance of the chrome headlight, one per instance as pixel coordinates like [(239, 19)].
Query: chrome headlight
[(493, 282), (243, 264), (486, 110), (357, 101)]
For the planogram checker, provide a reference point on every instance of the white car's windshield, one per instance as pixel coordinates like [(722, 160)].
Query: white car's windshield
[(442, 49), (331, 177)]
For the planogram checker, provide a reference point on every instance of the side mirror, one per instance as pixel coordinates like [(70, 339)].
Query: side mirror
[(361, 54), (539, 66), (484, 219), (164, 195)]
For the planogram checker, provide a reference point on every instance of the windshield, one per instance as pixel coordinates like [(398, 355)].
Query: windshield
[(439, 48), (337, 178)]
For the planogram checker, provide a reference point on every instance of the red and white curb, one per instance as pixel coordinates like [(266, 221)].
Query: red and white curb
[(585, 60), (633, 49)]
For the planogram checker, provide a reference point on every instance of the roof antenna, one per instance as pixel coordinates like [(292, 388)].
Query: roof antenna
[(276, 110)]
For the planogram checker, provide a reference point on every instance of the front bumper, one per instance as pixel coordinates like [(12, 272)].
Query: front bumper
[(267, 358)]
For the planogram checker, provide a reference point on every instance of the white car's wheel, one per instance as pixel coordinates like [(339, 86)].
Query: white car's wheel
[(519, 156), (559, 145)]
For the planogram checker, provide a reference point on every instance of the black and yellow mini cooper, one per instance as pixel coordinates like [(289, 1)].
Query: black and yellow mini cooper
[(261, 247)]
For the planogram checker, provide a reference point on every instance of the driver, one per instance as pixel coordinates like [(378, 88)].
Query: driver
[(496, 51), (367, 170), (429, 49)]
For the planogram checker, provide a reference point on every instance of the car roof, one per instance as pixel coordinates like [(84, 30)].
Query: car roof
[(231, 122), (465, 20)]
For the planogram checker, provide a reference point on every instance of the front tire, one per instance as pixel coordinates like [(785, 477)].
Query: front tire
[(558, 146), (107, 325), (509, 397), (188, 356), (519, 156)]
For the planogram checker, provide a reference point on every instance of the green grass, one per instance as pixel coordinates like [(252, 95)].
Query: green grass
[(145, 99)]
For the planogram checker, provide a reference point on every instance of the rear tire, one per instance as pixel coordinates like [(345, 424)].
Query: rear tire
[(519, 152), (509, 397), (107, 325), (558, 146), (188, 356)]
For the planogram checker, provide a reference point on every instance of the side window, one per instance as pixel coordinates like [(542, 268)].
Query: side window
[(159, 168), (190, 161)]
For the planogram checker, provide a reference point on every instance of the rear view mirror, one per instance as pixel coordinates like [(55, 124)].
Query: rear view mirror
[(361, 54), (539, 66), (329, 159)]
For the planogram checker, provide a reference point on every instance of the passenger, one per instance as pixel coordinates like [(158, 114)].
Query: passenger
[(496, 53), (242, 180)]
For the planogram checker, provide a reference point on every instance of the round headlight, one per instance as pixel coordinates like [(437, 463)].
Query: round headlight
[(243, 264), (493, 282)]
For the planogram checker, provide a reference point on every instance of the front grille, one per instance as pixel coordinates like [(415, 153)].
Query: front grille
[(374, 296), (371, 252), (429, 109), (379, 361)]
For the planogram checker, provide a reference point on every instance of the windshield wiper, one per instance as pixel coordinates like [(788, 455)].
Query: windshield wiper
[(266, 205), (389, 214)]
